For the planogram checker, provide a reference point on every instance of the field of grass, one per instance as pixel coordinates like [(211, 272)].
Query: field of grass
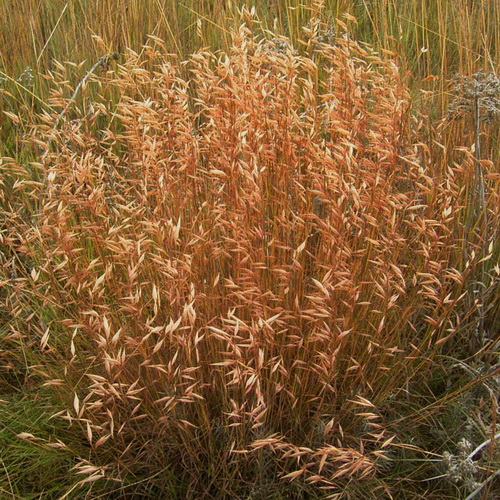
[(249, 252)]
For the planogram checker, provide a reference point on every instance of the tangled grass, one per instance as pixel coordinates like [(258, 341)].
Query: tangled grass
[(228, 281)]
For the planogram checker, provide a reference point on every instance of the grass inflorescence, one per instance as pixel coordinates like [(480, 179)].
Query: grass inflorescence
[(257, 272)]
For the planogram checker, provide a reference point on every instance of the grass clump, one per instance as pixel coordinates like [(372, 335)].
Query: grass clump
[(226, 279)]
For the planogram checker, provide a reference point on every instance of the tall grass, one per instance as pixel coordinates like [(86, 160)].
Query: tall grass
[(263, 269), (435, 40), (238, 280), (456, 36)]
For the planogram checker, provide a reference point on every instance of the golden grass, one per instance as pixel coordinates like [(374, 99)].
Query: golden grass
[(229, 273), (434, 35)]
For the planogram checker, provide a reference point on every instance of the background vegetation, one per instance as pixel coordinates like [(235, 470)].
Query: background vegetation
[(265, 270)]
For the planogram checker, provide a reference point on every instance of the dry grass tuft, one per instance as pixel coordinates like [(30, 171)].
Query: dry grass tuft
[(229, 273)]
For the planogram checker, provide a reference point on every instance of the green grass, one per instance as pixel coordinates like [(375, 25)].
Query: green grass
[(38, 467)]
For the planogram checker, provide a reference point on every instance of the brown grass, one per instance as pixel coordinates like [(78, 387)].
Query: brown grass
[(228, 274)]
